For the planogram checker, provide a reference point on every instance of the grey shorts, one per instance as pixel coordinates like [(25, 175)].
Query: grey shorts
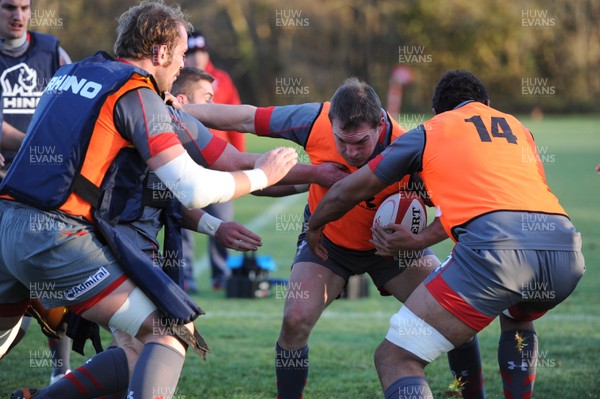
[(51, 257), (476, 285), (347, 262)]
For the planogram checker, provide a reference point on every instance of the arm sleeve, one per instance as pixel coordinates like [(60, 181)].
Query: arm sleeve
[(402, 157), (142, 118), (290, 122), (203, 146), (227, 93)]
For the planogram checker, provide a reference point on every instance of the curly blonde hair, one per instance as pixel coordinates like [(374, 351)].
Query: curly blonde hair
[(143, 27)]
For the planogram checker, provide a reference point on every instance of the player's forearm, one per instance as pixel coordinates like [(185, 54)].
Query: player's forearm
[(223, 116), (282, 191), (332, 206), (231, 159), (344, 195), (190, 218), (11, 137), (431, 234), (301, 173)]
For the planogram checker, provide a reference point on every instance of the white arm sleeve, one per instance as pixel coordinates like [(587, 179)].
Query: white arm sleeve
[(193, 185)]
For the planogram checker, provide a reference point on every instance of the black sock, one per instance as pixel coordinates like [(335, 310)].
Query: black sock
[(409, 388), (103, 374), (517, 359), (465, 364), (156, 373), (291, 368)]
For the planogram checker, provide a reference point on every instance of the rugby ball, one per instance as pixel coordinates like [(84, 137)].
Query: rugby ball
[(403, 208)]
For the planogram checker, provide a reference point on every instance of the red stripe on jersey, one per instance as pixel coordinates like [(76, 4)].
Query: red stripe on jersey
[(161, 142), (262, 120), (454, 304), (373, 163), (213, 150), (14, 309), (81, 307)]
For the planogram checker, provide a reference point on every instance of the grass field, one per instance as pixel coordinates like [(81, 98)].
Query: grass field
[(242, 333)]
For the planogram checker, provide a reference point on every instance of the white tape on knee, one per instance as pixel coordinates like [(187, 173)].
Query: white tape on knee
[(7, 337), (416, 336), (132, 313)]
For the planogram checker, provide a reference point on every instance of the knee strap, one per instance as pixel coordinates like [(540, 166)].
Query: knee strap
[(132, 313), (416, 336)]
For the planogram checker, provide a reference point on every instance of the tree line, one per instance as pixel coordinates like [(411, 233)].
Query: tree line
[(529, 53)]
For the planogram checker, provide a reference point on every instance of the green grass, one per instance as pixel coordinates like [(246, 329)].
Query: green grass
[(242, 333)]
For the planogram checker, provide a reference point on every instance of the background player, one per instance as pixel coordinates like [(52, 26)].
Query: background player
[(224, 92)]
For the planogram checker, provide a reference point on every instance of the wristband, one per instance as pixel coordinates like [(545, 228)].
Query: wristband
[(258, 179), (208, 224)]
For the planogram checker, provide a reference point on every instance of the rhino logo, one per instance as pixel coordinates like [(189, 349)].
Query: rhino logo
[(20, 87), (19, 80)]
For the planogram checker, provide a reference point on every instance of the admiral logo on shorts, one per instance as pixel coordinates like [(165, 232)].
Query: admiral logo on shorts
[(91, 282)]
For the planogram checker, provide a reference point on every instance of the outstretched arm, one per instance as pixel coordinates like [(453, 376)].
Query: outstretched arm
[(325, 174), (223, 116), (197, 187), (340, 198)]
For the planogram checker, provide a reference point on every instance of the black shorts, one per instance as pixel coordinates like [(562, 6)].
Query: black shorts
[(348, 262)]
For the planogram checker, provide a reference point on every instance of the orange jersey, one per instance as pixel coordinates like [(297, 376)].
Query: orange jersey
[(478, 160), (353, 230), (309, 125), (474, 160), (105, 144)]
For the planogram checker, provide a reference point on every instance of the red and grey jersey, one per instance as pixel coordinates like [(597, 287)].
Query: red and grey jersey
[(204, 147)]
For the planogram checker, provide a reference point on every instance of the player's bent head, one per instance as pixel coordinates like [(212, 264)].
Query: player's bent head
[(456, 87), (146, 25), (187, 76), (354, 104)]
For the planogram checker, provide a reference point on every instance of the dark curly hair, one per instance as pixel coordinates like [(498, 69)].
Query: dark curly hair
[(456, 87)]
